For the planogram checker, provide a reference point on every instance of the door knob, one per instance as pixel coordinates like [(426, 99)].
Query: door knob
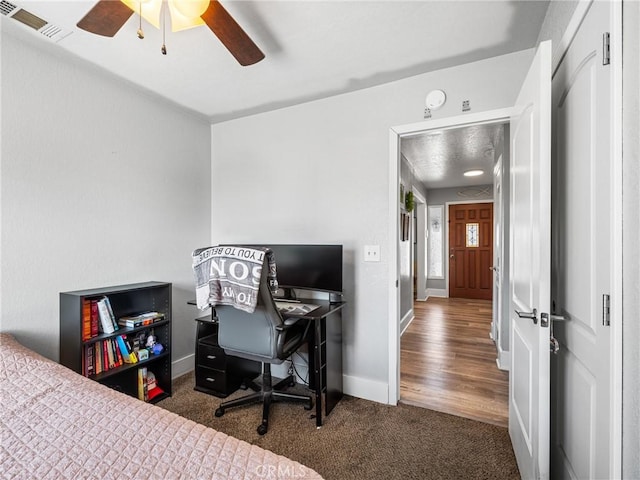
[(530, 315), (451, 256)]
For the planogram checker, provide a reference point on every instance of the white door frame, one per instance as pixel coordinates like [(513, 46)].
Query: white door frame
[(395, 134)]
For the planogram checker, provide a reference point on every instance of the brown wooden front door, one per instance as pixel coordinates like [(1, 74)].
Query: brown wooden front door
[(471, 250)]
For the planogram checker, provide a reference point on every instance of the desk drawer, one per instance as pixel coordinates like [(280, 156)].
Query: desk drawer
[(211, 379), (211, 357)]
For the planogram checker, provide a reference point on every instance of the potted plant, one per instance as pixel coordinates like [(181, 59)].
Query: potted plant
[(409, 201)]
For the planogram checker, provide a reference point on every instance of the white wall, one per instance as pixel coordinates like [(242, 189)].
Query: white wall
[(101, 185), (318, 172)]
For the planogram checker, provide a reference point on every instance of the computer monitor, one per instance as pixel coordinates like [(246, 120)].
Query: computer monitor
[(309, 267)]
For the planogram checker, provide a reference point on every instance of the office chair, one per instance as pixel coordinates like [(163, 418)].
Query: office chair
[(266, 337)]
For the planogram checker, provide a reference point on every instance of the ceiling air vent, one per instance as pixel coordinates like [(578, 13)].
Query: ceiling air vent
[(6, 7), (29, 19)]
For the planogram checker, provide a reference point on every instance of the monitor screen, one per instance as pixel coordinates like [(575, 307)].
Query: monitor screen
[(310, 267)]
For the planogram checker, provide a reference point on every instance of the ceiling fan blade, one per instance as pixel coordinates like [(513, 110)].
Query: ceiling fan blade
[(105, 18), (231, 34)]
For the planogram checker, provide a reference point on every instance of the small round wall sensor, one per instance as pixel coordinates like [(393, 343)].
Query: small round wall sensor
[(435, 99)]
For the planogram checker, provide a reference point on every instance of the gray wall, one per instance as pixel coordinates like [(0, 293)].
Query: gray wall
[(555, 23), (101, 185), (631, 233), (408, 179), (323, 167), (440, 196)]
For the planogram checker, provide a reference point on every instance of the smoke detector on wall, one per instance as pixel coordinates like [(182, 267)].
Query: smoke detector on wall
[(435, 99)]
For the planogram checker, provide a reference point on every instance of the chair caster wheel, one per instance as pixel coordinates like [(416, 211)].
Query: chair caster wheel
[(262, 429), (219, 412), (308, 407)]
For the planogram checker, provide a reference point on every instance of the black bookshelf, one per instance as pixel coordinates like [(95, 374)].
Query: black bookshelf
[(125, 300)]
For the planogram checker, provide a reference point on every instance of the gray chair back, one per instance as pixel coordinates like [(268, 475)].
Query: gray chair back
[(253, 335)]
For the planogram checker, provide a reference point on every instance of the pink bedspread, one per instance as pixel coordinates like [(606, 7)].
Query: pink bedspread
[(56, 424)]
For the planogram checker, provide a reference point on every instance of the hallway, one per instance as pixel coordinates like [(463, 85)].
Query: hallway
[(448, 361)]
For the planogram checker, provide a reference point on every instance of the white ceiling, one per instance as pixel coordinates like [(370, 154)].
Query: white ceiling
[(313, 49)]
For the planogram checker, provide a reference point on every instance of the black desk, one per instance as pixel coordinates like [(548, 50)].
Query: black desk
[(325, 355), (216, 372)]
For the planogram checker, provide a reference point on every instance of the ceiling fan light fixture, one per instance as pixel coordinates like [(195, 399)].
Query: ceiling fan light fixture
[(147, 9), (186, 13), (473, 173), (107, 17), (190, 8)]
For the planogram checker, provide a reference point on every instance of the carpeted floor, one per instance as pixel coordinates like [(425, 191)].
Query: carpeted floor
[(362, 439)]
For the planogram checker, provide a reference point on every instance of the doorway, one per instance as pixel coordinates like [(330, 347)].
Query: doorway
[(441, 309)]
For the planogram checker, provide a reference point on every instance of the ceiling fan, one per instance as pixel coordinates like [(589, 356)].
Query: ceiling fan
[(108, 16)]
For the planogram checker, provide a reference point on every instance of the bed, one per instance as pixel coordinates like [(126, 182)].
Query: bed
[(56, 424)]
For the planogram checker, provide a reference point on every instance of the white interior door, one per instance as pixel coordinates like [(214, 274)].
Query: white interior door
[(530, 242), (582, 383)]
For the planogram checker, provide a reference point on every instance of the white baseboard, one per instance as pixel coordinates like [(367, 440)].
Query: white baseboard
[(436, 292), (373, 390), (406, 321), (418, 299), (183, 366), (504, 360)]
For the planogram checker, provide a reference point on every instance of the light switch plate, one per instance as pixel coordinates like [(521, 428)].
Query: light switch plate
[(372, 253)]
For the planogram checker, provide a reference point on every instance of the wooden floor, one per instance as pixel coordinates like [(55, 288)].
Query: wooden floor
[(448, 361)]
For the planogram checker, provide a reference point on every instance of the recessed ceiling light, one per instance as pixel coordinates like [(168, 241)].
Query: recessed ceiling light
[(473, 173)]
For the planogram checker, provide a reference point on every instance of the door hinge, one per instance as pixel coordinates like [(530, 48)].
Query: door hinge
[(606, 310), (606, 48)]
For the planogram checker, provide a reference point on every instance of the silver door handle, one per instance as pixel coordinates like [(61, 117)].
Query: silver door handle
[(530, 315)]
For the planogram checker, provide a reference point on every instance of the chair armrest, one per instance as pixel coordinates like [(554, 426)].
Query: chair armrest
[(287, 323)]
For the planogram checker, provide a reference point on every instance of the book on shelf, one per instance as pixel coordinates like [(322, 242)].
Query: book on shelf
[(141, 319), (95, 318), (86, 319), (143, 393), (112, 317), (97, 358), (105, 318), (90, 365), (117, 353), (110, 361)]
